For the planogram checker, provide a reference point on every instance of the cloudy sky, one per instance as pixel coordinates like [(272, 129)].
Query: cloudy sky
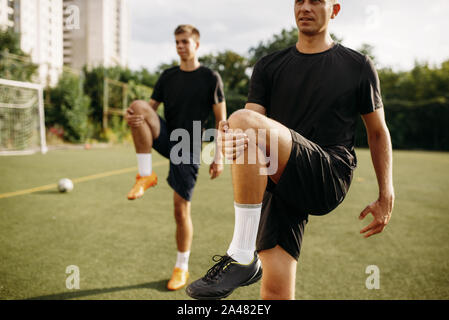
[(401, 31)]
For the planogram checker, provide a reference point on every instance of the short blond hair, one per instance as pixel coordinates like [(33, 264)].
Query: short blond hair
[(188, 28)]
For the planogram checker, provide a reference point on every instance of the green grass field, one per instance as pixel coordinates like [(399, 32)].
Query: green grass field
[(126, 250)]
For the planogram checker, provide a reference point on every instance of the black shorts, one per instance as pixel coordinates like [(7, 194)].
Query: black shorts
[(314, 182), (181, 177)]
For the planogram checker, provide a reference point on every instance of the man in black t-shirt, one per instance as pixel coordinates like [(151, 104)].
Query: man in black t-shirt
[(190, 92), (301, 114)]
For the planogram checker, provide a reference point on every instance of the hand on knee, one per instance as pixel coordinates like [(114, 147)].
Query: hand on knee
[(139, 107), (134, 115), (240, 119)]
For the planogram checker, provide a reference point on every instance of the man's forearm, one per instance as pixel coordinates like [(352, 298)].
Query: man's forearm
[(382, 158), (220, 115)]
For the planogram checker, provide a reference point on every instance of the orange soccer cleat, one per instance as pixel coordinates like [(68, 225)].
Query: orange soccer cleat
[(142, 184), (178, 279)]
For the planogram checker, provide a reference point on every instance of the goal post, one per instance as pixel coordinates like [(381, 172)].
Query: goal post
[(22, 120)]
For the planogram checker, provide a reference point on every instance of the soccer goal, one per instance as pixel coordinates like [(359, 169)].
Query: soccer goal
[(22, 125)]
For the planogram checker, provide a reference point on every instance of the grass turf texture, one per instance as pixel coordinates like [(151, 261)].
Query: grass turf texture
[(126, 249)]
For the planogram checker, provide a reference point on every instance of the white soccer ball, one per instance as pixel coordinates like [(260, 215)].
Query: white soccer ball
[(65, 185)]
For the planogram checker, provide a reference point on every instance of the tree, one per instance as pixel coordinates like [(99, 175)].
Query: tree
[(94, 88), (390, 81), (14, 63), (164, 66), (416, 106), (368, 50), (232, 68), (422, 83), (146, 78), (280, 41), (9, 40), (69, 108)]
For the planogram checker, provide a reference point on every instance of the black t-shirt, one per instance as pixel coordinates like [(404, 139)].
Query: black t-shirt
[(320, 95), (188, 96)]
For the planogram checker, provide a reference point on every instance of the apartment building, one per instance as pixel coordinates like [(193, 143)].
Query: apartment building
[(96, 33), (39, 23), (73, 33), (6, 14)]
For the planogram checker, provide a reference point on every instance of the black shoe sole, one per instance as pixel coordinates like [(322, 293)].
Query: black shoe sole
[(254, 279)]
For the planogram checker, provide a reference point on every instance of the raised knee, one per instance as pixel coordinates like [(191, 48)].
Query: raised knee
[(139, 107), (241, 119)]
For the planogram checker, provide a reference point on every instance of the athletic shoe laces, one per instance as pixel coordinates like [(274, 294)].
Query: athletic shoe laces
[(215, 271)]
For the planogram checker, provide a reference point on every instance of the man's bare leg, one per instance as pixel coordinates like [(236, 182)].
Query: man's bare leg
[(279, 268), (279, 274), (249, 185), (238, 267), (145, 127), (184, 235), (184, 226)]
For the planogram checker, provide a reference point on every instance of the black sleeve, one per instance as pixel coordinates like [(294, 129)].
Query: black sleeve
[(218, 89), (158, 91), (258, 87), (370, 98)]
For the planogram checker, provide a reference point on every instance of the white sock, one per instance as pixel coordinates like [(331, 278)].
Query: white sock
[(182, 261), (144, 162), (243, 242)]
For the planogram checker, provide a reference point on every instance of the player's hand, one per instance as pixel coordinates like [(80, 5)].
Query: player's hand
[(133, 120), (215, 169), (381, 210), (232, 143)]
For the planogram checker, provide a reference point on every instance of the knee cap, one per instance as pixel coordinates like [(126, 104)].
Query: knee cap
[(239, 118), (139, 106)]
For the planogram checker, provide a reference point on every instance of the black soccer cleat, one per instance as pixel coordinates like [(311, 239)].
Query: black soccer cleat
[(224, 277)]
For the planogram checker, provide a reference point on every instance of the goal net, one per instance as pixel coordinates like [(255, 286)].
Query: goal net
[(22, 125)]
